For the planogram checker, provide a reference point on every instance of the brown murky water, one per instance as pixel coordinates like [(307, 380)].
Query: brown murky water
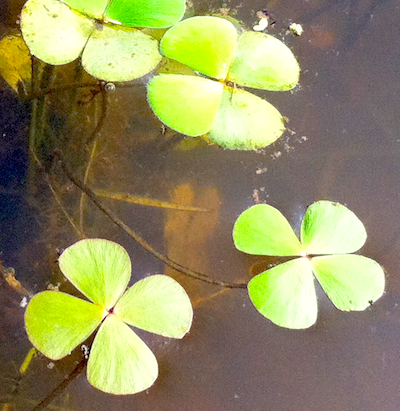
[(344, 146)]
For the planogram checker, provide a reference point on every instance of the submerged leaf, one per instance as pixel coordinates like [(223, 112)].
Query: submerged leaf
[(262, 61), (245, 121), (53, 32), (158, 304), (146, 13), (331, 228), (205, 44), (263, 230), (15, 63), (120, 362), (120, 54), (187, 104), (100, 269), (56, 322), (145, 201), (352, 282), (286, 295)]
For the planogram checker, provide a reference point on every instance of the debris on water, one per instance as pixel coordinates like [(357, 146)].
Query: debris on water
[(262, 24), (261, 170), (23, 303), (296, 29)]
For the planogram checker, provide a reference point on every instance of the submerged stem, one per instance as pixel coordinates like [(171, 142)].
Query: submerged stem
[(61, 387), (136, 237)]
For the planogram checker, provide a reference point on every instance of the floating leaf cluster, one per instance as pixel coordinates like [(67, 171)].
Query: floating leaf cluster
[(101, 32), (212, 103), (119, 362), (286, 293)]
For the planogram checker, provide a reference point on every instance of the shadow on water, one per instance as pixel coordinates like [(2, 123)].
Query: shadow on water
[(342, 145)]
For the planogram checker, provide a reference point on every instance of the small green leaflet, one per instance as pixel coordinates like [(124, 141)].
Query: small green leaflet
[(233, 118), (285, 294), (120, 362), (59, 32)]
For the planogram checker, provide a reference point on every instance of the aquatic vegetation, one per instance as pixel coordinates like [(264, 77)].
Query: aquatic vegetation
[(285, 294), (119, 361), (101, 32), (15, 63), (211, 103)]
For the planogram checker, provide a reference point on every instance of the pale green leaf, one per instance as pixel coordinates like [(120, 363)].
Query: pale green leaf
[(245, 121), (286, 295), (263, 230), (145, 13), (100, 269), (262, 61), (331, 228), (53, 32), (120, 54), (158, 304), (93, 8), (187, 104), (205, 44), (120, 362), (56, 322), (352, 282)]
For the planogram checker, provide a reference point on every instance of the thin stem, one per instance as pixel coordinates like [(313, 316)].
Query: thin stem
[(136, 237), (61, 387), (82, 200), (78, 232)]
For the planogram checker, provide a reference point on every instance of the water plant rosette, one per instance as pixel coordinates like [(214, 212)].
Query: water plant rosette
[(103, 32), (210, 102), (119, 361), (285, 294)]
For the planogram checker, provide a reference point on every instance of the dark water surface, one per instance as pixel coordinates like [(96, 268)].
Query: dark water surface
[(344, 146)]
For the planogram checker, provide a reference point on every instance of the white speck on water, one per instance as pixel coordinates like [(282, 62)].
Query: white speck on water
[(236, 396), (296, 29), (50, 365), (262, 24), (24, 302)]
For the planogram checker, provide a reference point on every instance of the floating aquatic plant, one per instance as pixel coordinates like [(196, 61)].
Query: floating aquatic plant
[(101, 31), (286, 294), (211, 103), (119, 362)]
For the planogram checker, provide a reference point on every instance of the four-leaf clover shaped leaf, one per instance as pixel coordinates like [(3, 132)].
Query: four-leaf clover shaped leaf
[(101, 31), (285, 294), (119, 362), (211, 103)]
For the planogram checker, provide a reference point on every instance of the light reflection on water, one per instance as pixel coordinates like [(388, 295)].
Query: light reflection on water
[(233, 359)]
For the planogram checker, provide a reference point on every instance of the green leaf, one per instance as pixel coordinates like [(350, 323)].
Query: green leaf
[(245, 121), (120, 362), (53, 32), (56, 322), (93, 8), (187, 104), (263, 230), (158, 304), (120, 54), (262, 61), (352, 282), (100, 269), (331, 228), (285, 294), (146, 13), (205, 44)]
